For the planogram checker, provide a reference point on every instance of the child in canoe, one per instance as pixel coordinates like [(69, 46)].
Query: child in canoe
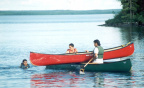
[(71, 49)]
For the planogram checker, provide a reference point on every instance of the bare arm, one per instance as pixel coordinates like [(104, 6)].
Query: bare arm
[(67, 51), (76, 50), (87, 51)]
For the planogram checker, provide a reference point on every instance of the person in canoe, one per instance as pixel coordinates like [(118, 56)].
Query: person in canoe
[(71, 49), (24, 64), (98, 52)]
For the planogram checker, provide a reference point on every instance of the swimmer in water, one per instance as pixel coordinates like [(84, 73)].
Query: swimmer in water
[(24, 64)]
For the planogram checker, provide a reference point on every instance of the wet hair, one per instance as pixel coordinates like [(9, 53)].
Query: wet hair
[(71, 44), (97, 41), (24, 60)]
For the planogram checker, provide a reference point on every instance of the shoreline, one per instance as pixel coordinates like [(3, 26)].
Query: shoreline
[(122, 25)]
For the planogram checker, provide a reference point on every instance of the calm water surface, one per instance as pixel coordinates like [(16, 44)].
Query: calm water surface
[(51, 34)]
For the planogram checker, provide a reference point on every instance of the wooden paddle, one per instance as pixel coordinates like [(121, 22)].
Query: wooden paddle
[(82, 70)]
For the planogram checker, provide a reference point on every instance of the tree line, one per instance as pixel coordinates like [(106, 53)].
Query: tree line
[(132, 13)]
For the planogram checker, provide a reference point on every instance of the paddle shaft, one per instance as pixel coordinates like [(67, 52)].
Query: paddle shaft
[(88, 62)]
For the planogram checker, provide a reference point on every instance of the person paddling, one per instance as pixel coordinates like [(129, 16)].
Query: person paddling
[(71, 49), (98, 52), (24, 64)]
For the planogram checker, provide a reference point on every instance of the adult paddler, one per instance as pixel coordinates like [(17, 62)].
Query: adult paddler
[(98, 52)]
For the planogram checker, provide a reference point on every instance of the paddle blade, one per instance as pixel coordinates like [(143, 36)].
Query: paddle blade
[(81, 72)]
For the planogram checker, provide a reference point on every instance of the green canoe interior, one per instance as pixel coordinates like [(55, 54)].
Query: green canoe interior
[(119, 66)]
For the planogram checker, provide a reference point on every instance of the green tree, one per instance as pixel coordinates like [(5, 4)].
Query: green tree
[(132, 12)]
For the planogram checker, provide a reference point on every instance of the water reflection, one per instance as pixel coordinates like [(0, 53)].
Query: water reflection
[(132, 33), (56, 79), (90, 79), (111, 79)]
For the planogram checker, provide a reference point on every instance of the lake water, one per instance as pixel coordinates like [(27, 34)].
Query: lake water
[(52, 34)]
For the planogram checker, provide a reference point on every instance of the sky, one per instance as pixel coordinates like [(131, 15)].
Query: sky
[(59, 4)]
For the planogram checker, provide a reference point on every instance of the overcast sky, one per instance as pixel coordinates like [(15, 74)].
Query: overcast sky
[(59, 4)]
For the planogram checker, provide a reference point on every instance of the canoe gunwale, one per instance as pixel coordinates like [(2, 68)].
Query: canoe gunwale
[(117, 48), (105, 62), (105, 50)]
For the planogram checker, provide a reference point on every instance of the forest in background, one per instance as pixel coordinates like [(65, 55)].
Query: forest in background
[(132, 13)]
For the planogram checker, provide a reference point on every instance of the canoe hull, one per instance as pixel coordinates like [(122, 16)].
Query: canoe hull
[(127, 50), (48, 59), (119, 66), (39, 59)]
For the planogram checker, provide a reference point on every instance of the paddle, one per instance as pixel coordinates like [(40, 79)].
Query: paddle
[(82, 70)]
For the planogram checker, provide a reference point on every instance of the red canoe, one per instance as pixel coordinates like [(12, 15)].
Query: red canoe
[(53, 59)]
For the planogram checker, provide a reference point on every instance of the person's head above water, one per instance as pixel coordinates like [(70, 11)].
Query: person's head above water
[(24, 62)]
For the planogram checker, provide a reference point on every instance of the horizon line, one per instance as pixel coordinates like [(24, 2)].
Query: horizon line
[(60, 10)]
